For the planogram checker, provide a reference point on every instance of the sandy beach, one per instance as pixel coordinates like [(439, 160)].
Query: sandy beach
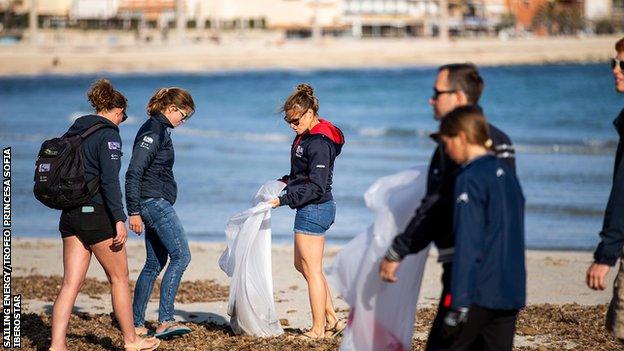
[(562, 314), (97, 55)]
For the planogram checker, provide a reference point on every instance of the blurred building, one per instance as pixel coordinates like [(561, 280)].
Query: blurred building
[(526, 10)]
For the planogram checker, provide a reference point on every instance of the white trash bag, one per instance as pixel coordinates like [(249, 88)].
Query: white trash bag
[(247, 260), (382, 314)]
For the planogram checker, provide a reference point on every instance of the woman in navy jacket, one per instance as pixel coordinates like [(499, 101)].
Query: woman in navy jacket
[(488, 284), (151, 191), (308, 190)]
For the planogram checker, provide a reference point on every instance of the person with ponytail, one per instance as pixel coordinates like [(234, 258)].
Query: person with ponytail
[(151, 191), (98, 226), (488, 281), (309, 190)]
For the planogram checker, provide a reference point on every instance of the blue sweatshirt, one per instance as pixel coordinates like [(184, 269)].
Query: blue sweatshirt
[(312, 166), (150, 173), (102, 158), (488, 263)]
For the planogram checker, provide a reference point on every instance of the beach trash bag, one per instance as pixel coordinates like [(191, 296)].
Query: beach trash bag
[(382, 314), (247, 260)]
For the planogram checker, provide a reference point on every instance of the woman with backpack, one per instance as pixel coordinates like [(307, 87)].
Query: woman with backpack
[(151, 191), (308, 190), (98, 226)]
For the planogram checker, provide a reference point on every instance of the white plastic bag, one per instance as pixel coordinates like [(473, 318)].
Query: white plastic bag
[(247, 260), (382, 314)]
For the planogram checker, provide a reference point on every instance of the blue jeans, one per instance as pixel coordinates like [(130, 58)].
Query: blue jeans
[(164, 236), (315, 219)]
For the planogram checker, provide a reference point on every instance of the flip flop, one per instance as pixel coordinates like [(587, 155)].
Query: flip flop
[(173, 330), (138, 346), (141, 332), (336, 330), (307, 336)]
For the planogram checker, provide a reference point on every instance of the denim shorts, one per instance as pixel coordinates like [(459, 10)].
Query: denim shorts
[(315, 219)]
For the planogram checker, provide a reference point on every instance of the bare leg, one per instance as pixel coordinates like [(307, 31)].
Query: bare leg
[(76, 258), (330, 312), (115, 264), (309, 262)]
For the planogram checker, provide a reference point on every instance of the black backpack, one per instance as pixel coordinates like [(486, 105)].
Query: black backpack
[(60, 174)]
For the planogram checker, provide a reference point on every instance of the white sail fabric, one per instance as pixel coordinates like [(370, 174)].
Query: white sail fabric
[(247, 260), (382, 314)]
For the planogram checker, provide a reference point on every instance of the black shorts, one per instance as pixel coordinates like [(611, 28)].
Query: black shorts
[(90, 223)]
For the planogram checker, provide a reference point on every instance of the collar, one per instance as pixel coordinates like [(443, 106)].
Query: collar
[(162, 119)]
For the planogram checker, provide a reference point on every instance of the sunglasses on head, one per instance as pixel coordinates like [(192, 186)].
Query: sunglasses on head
[(437, 93), (616, 62)]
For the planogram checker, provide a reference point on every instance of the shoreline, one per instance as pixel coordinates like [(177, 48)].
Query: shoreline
[(245, 55)]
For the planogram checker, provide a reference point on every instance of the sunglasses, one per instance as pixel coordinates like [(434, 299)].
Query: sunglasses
[(124, 117), (294, 121), (616, 62), (437, 93), (185, 116)]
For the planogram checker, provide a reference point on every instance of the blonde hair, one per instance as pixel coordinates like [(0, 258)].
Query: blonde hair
[(165, 97)]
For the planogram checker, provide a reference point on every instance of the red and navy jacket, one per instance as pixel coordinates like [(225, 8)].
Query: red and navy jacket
[(312, 159)]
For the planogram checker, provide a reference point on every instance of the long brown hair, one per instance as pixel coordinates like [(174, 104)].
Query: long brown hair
[(169, 96), (471, 121), (302, 99), (103, 97)]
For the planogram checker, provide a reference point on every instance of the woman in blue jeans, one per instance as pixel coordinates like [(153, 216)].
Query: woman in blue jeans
[(150, 194), (308, 190)]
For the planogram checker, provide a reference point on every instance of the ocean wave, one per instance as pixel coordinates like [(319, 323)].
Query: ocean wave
[(378, 132), (566, 210)]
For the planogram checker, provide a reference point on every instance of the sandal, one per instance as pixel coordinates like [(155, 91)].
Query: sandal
[(173, 330), (141, 332), (139, 346), (336, 330), (308, 335)]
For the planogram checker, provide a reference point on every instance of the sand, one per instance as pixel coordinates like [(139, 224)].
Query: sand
[(556, 278), (97, 55)]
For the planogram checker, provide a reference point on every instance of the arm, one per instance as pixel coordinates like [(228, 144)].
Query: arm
[(109, 159), (319, 155), (468, 224), (612, 234), (145, 148)]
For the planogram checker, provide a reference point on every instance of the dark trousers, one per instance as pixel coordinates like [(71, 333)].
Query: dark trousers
[(437, 341), (492, 329)]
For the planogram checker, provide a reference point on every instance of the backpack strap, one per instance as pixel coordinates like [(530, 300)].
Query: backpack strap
[(93, 129)]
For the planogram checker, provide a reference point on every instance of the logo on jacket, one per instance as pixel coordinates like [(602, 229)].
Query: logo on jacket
[(299, 151), (463, 197), (113, 145), (148, 139), (500, 172), (44, 167)]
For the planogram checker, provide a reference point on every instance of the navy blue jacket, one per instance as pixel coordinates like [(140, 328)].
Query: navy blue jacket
[(488, 222), (433, 220), (312, 166), (102, 158), (150, 173), (612, 234)]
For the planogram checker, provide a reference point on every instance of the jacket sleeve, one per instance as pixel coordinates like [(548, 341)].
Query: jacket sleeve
[(468, 225), (319, 156), (144, 151), (612, 234), (504, 149), (419, 232), (109, 159)]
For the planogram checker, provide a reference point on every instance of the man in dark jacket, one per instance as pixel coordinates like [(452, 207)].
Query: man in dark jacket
[(456, 85), (612, 234)]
